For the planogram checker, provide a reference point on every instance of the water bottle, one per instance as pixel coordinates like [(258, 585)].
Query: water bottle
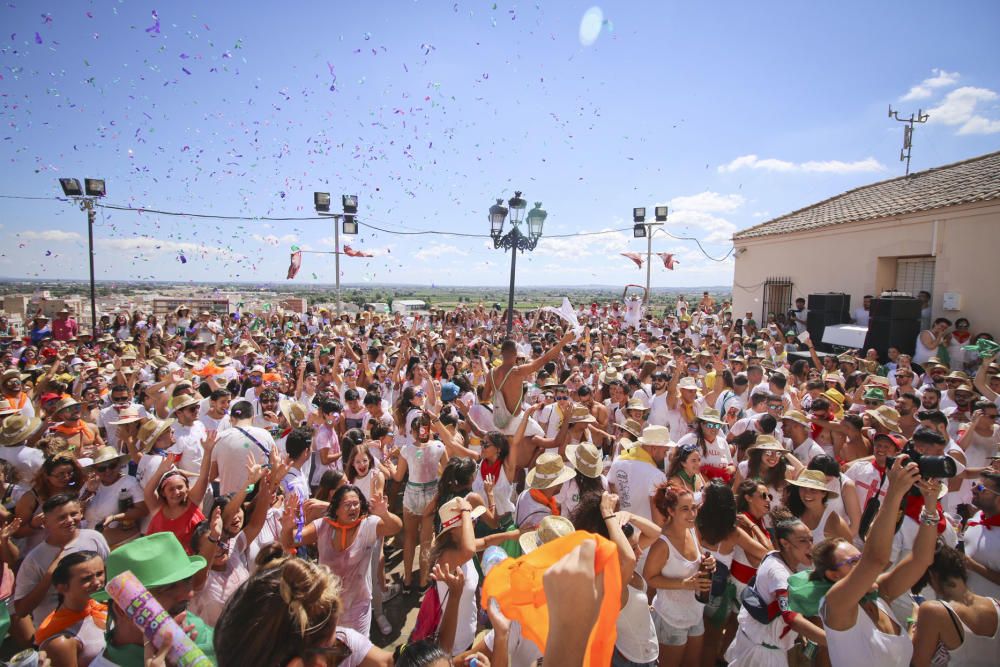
[(491, 557), (125, 503)]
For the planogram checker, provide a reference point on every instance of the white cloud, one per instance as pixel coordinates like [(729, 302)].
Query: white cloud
[(148, 245), (707, 201), (604, 245), (436, 250), (812, 166), (708, 228), (961, 107), (924, 89), (57, 235), (271, 239)]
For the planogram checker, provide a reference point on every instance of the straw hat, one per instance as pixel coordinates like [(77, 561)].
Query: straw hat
[(106, 454), (151, 430), (656, 436), (585, 459), (636, 404), (551, 528), (813, 479), (878, 381), (966, 387), (767, 443), (244, 348), (450, 514), (6, 409), (631, 426), (127, 415), (63, 404), (797, 417), (687, 383), (609, 375), (11, 374), (581, 415), (710, 415), (549, 471), (933, 362), (834, 377), (295, 413), (834, 396), (18, 428), (220, 359), (182, 402), (886, 416), (958, 375)]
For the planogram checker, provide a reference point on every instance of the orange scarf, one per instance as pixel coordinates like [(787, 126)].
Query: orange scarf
[(516, 584), (344, 527), (19, 401), (70, 431), (543, 499), (63, 618)]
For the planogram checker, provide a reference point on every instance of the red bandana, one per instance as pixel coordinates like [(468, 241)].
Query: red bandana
[(915, 504)]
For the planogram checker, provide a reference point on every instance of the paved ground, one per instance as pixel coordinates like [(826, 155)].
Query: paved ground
[(401, 610)]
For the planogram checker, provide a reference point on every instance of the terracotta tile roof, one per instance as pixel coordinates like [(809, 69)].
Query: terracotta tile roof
[(974, 180)]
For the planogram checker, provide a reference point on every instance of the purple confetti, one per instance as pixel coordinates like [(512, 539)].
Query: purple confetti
[(155, 28), (186, 71), (38, 38), (184, 56), (182, 258)]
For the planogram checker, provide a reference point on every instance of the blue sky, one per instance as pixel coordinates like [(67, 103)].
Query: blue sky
[(730, 112)]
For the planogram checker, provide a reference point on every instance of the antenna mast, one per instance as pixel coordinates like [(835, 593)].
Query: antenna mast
[(904, 153)]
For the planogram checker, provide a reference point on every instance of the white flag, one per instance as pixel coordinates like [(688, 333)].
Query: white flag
[(567, 313)]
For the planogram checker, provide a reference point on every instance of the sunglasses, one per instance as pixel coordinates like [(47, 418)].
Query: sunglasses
[(420, 394), (108, 467), (775, 406), (713, 426), (849, 561), (562, 398), (979, 488), (765, 495), (872, 403)]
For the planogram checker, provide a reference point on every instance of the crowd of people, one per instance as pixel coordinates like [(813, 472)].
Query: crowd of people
[(755, 502)]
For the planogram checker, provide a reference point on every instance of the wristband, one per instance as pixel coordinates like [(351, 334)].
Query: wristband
[(610, 516)]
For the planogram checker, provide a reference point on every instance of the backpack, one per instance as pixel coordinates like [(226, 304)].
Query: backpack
[(429, 615)]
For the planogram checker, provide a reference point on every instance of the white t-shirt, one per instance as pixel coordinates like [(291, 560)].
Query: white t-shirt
[(212, 424), (635, 483), (807, 451), (221, 584), (26, 461), (717, 453), (105, 501), (569, 495), (983, 546), (188, 445), (231, 452)]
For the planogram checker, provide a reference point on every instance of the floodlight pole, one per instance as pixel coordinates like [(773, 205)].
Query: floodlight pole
[(649, 256), (336, 252), (88, 205)]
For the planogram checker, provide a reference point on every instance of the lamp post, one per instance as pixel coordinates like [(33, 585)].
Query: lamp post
[(321, 200), (515, 240), (643, 229), (93, 189)]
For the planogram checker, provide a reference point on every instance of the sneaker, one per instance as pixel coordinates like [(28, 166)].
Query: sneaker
[(384, 626), (389, 591)]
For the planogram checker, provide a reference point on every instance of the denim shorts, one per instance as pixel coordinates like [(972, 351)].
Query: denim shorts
[(671, 636)]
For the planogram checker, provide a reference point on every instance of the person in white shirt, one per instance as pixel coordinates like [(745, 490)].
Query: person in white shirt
[(106, 418), (982, 537), (862, 315), (796, 427), (298, 446), (216, 416), (635, 475), (236, 445), (188, 433)]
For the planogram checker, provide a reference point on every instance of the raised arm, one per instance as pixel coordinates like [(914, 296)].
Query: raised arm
[(914, 565), (980, 380), (197, 492)]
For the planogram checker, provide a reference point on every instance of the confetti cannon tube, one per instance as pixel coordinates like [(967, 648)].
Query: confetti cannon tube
[(156, 624)]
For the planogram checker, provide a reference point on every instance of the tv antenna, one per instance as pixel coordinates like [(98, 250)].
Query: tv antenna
[(904, 153)]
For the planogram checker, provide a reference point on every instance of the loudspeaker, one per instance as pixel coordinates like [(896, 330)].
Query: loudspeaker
[(884, 333), (896, 308), (831, 302), (816, 323)]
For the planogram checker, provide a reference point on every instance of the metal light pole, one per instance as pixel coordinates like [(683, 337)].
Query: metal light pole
[(93, 189), (514, 240), (321, 200), (642, 228)]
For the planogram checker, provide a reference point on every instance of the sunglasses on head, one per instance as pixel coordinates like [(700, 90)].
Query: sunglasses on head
[(848, 561)]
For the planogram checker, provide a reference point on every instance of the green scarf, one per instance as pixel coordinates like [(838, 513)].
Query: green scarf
[(687, 479), (804, 594)]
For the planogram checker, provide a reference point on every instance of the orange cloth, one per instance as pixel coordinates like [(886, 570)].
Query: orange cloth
[(63, 618), (343, 527), (516, 585), (19, 401), (207, 370), (543, 499), (69, 431)]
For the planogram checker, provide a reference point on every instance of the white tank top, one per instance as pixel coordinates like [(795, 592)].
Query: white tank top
[(975, 650), (365, 484), (819, 532), (678, 607), (921, 352), (636, 632), (865, 644)]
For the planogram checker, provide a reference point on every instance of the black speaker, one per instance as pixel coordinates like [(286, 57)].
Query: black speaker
[(816, 323), (896, 308), (884, 333), (831, 302)]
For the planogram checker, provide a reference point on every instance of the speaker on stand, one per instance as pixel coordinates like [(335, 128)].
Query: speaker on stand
[(894, 322)]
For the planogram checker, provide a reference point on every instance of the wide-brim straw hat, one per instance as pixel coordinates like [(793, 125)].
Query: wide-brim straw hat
[(182, 402), (152, 430), (767, 443), (609, 375), (106, 454), (7, 408), (631, 426), (710, 415), (127, 415), (585, 459), (63, 403), (636, 404), (551, 528), (295, 413), (797, 417), (656, 436), (886, 416), (581, 415), (813, 479), (550, 470), (450, 514), (687, 383), (18, 428)]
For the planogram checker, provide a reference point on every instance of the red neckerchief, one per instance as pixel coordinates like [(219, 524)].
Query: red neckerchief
[(915, 504), (344, 528), (487, 469), (543, 499), (989, 523)]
